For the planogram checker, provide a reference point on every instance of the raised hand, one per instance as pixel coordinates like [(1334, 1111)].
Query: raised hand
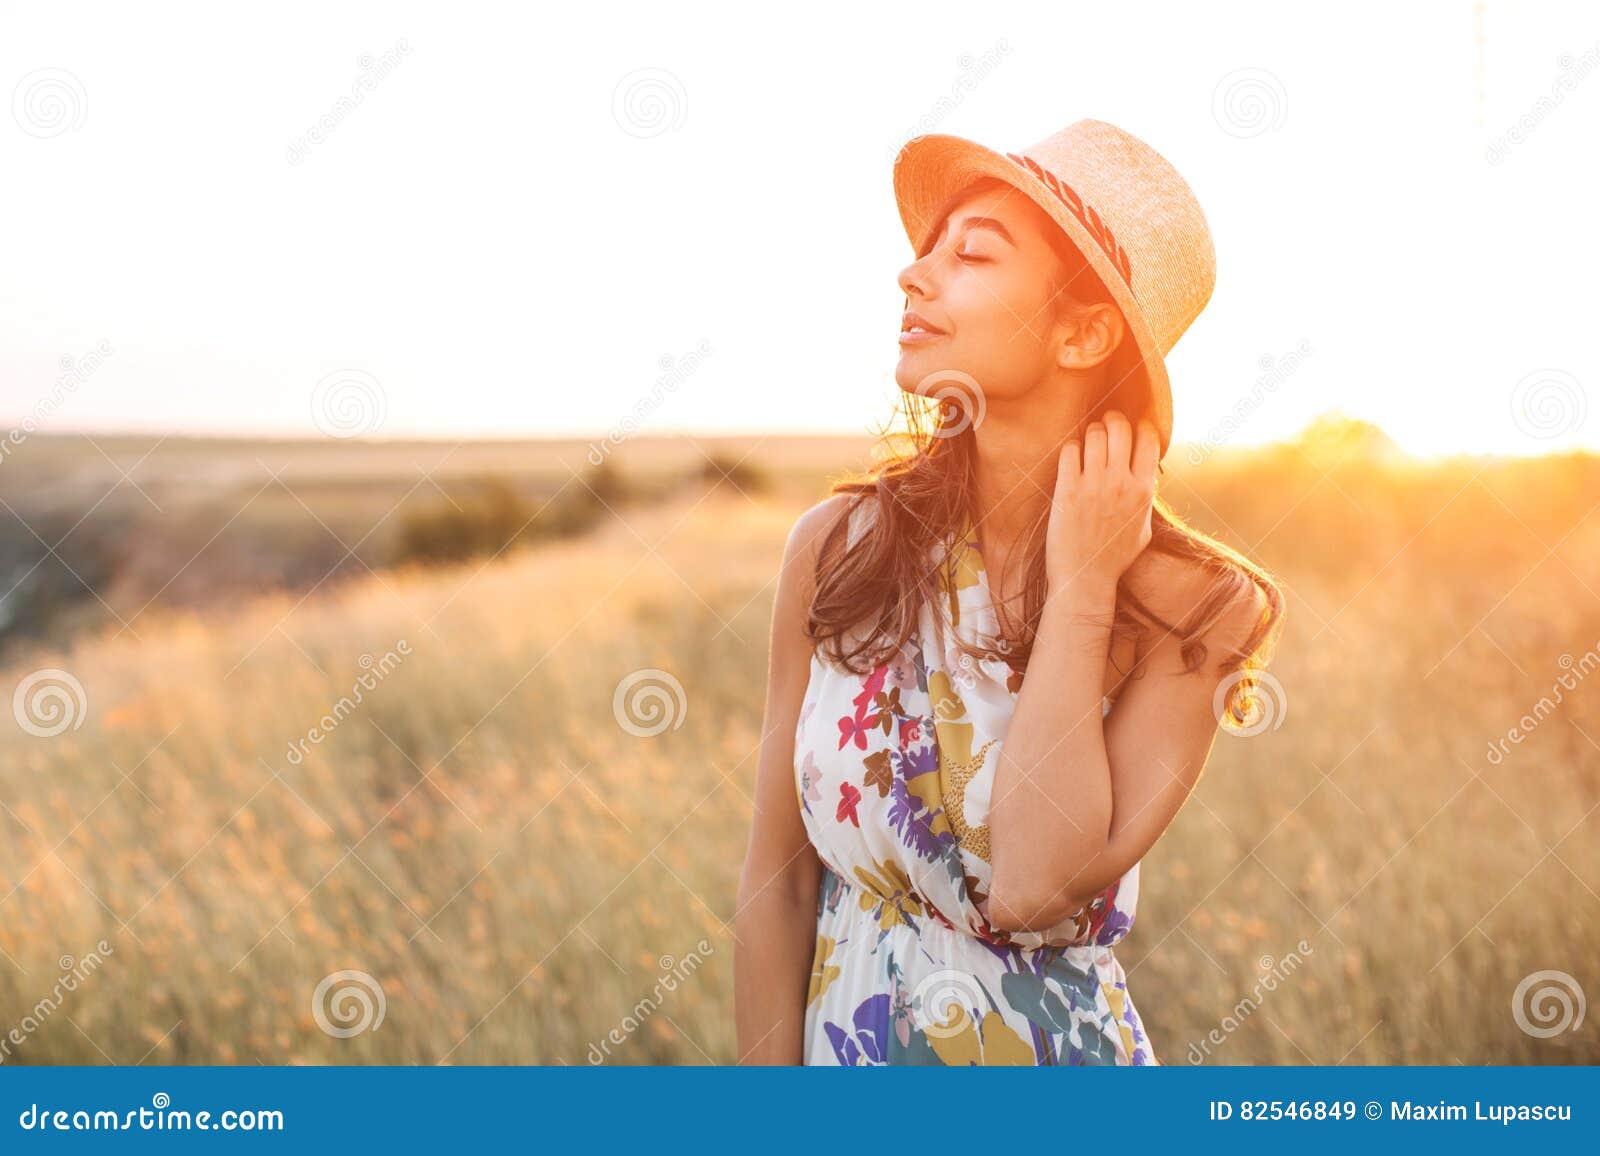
[(1100, 512)]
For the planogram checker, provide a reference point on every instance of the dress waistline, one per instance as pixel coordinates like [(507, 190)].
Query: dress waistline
[(911, 904), (908, 902)]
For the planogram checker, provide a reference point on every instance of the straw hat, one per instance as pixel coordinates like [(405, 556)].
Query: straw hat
[(1117, 199)]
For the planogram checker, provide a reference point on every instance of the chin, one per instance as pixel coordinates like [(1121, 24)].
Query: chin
[(905, 376), (936, 377), (914, 368)]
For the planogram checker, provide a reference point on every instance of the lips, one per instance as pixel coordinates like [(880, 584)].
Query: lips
[(916, 325)]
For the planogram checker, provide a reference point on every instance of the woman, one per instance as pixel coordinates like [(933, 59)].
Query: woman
[(917, 890)]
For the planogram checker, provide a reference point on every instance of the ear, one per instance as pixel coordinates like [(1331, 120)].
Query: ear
[(1092, 338)]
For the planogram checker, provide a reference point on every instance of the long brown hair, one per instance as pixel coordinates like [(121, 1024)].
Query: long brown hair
[(869, 588)]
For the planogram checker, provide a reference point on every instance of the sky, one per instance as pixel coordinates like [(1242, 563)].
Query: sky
[(571, 220)]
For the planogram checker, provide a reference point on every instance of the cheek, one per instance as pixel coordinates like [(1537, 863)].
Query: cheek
[(1000, 339)]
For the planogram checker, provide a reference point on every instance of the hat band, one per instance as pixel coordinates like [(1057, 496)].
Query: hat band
[(1086, 215)]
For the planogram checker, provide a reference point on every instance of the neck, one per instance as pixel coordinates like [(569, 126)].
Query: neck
[(1016, 454)]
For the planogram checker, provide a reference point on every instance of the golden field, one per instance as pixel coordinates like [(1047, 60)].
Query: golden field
[(517, 871)]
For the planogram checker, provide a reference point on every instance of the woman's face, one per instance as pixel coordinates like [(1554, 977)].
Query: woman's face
[(989, 283)]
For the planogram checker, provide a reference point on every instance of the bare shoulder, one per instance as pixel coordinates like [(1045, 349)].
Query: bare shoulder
[(811, 528), (1178, 588), (797, 577)]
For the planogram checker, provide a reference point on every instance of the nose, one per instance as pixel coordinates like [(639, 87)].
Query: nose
[(911, 280)]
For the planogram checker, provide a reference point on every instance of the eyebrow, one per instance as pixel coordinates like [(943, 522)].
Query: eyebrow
[(978, 223)]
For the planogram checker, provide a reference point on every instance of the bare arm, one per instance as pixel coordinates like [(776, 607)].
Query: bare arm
[(1154, 750), (776, 921), (1079, 800), (1054, 797)]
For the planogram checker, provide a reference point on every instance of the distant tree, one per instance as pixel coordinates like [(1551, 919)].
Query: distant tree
[(724, 469), (606, 483), (483, 522), (495, 516), (1335, 437)]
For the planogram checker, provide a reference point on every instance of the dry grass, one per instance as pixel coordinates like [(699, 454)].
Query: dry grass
[(518, 871)]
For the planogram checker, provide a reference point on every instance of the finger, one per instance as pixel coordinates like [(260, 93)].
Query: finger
[(1070, 463), (1094, 448), (1119, 440), (1147, 452)]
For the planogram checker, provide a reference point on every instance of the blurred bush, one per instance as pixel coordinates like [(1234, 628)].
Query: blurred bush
[(724, 469), (495, 516)]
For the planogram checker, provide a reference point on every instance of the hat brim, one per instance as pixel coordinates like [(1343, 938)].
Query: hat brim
[(931, 169)]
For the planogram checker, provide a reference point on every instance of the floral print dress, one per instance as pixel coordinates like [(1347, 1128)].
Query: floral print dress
[(893, 774)]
